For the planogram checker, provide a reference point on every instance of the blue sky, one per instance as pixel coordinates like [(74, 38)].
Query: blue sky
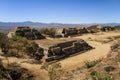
[(60, 11)]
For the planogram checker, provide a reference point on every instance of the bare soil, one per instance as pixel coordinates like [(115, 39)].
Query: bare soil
[(101, 50)]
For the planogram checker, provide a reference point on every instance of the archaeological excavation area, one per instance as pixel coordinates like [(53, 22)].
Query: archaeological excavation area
[(70, 52), (62, 45), (51, 49), (57, 49), (27, 32)]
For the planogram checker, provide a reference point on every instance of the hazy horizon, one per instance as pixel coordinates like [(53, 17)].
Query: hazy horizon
[(57, 22), (60, 11)]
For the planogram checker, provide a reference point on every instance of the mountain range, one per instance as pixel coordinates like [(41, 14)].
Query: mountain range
[(39, 24)]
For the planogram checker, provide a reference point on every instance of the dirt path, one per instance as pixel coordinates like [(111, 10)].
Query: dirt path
[(27, 63), (101, 50)]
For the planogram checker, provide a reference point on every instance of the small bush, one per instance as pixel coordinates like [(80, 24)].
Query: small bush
[(48, 31), (93, 73), (90, 64), (117, 37), (45, 66), (115, 46), (97, 76), (12, 52), (55, 70), (118, 59), (21, 47), (109, 68)]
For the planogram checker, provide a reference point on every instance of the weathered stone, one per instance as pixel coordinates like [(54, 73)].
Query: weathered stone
[(65, 49), (28, 32), (99, 28), (65, 32)]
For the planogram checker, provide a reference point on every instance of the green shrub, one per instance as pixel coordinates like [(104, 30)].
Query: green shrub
[(20, 47), (115, 46), (118, 59), (97, 76), (55, 70), (109, 68), (2, 35), (45, 66), (4, 43), (48, 31), (89, 64)]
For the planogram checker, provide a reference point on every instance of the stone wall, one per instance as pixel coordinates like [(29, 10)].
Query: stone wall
[(65, 32), (66, 49), (28, 32)]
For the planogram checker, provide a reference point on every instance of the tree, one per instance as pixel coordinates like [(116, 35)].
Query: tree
[(4, 43), (55, 70), (48, 31)]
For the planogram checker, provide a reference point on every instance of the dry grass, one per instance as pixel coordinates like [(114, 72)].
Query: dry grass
[(101, 50)]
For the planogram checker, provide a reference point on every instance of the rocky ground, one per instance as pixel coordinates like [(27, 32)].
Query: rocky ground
[(101, 49), (108, 67), (75, 65)]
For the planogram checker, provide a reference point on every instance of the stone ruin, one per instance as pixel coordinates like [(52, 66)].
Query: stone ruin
[(28, 32), (65, 32), (107, 28), (70, 31), (66, 49), (74, 31), (99, 28)]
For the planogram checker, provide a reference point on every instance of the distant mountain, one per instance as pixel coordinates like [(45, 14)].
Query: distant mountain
[(102, 24), (7, 26), (38, 24), (27, 23), (111, 24)]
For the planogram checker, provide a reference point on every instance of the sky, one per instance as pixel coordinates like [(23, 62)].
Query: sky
[(60, 11)]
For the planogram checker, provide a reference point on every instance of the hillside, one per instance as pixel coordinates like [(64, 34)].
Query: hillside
[(73, 67), (101, 69)]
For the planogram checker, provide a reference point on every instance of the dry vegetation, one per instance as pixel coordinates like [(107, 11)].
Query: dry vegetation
[(19, 47), (48, 31), (86, 66), (14, 72), (102, 69)]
